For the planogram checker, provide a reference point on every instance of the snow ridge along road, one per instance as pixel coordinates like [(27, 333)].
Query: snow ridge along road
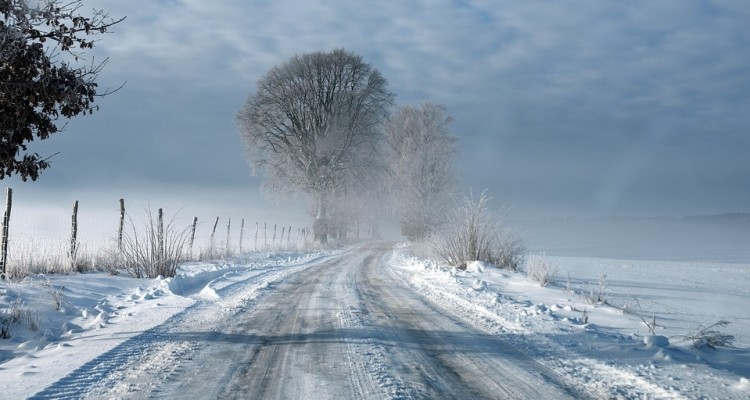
[(339, 326)]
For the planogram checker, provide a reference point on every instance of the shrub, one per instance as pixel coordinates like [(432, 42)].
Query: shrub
[(156, 250), (16, 313), (539, 269), (34, 257), (474, 233), (210, 252), (600, 295), (57, 294), (416, 226), (709, 336), (651, 325)]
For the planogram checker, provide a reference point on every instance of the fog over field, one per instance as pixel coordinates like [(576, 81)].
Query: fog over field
[(700, 238), (597, 110)]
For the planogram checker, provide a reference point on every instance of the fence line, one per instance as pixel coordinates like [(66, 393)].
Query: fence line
[(35, 237)]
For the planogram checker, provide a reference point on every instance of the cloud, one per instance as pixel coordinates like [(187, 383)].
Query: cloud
[(560, 99)]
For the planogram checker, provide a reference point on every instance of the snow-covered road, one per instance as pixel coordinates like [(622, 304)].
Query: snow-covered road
[(339, 326), (374, 322)]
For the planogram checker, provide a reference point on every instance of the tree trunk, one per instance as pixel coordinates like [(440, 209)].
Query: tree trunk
[(320, 227), (4, 238)]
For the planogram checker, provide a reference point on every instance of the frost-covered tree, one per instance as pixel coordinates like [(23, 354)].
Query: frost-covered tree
[(421, 157), (314, 125), (40, 79), (356, 213)]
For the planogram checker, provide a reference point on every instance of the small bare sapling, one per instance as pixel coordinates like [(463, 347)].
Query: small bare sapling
[(651, 325), (540, 269), (598, 295)]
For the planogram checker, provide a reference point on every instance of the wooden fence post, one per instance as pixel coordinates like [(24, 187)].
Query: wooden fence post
[(192, 235), (74, 237), (160, 239), (229, 227), (274, 235), (213, 231), (122, 224), (242, 231), (212, 243), (255, 247), (4, 238)]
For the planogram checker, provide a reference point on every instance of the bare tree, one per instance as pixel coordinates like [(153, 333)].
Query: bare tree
[(313, 126), (422, 152), (39, 81)]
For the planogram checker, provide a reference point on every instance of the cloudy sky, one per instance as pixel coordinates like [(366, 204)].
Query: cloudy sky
[(575, 108)]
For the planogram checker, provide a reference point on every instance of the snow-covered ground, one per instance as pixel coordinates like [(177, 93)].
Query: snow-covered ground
[(607, 347), (60, 323), (96, 323)]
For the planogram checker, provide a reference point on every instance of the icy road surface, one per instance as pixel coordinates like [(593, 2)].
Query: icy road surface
[(340, 326)]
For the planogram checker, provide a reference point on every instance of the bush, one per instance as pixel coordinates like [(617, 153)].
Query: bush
[(600, 296), (158, 250), (17, 313), (539, 269), (474, 233), (416, 226), (709, 336)]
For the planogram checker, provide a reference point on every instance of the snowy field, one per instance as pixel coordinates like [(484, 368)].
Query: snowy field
[(94, 335), (610, 348)]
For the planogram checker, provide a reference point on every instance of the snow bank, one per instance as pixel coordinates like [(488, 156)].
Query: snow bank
[(61, 322), (606, 346)]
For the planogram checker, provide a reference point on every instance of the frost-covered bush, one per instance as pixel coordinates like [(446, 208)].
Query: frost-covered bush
[(541, 270), (33, 256), (417, 225), (709, 336), (155, 250), (600, 295), (14, 314), (474, 233)]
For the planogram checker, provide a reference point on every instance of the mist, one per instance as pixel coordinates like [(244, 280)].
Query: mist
[(715, 238), (565, 114), (43, 218)]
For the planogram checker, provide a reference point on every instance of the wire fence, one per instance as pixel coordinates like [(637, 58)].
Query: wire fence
[(39, 239)]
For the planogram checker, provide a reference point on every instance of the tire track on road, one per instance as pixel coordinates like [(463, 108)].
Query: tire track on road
[(443, 357)]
